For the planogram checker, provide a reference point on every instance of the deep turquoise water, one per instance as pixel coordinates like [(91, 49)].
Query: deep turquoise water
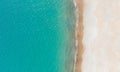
[(36, 35)]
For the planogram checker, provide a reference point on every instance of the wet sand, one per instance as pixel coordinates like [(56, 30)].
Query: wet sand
[(78, 35)]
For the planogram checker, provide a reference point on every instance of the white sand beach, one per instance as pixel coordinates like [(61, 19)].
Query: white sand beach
[(99, 37)]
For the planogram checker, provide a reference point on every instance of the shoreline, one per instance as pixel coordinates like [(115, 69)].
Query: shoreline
[(78, 35)]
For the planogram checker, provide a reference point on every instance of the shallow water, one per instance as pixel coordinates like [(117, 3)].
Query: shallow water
[(36, 35)]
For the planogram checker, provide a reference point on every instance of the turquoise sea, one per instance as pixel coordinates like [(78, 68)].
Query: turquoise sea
[(36, 35)]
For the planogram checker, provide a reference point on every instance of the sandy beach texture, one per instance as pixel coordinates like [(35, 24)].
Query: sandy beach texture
[(97, 36), (78, 35)]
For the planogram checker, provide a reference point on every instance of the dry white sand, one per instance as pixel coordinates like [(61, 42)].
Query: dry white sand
[(101, 36)]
